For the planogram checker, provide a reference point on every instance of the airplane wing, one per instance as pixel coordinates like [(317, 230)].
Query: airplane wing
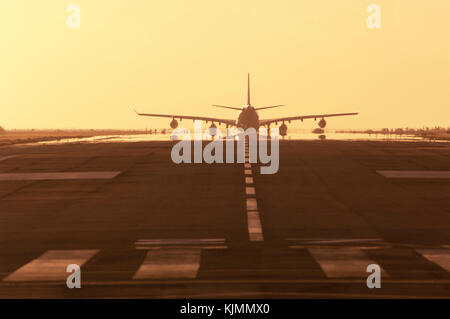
[(188, 117), (301, 117)]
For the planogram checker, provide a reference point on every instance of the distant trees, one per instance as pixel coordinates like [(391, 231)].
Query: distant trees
[(2, 130)]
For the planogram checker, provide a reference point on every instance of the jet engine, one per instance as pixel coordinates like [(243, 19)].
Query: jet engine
[(174, 123), (283, 129), (213, 129), (322, 123)]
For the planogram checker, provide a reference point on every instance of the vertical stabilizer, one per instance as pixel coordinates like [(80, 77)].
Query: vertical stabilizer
[(248, 90)]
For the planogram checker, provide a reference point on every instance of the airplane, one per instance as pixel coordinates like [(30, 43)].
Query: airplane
[(248, 117)]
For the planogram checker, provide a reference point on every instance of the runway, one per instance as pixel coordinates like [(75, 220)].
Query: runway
[(142, 226)]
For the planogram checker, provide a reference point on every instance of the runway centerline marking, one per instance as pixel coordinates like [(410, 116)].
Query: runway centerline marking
[(343, 262), (415, 174), (57, 176), (253, 219), (51, 266), (250, 191), (254, 226), (441, 257), (251, 204), (170, 264)]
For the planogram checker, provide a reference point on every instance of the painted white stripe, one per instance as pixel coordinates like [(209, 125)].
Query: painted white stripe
[(336, 241), (254, 221), (291, 281), (4, 158), (51, 265), (415, 174), (177, 241), (254, 226), (440, 257), (251, 204), (201, 243), (342, 262), (250, 191), (57, 176), (199, 246), (170, 264)]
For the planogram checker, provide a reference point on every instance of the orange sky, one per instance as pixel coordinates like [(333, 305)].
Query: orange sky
[(178, 56)]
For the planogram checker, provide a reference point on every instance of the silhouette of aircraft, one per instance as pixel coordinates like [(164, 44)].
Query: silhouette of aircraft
[(248, 117)]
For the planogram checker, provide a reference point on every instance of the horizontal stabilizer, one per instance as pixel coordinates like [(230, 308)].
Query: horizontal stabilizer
[(268, 107), (228, 107)]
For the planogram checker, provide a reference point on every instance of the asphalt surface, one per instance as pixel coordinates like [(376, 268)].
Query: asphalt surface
[(142, 226)]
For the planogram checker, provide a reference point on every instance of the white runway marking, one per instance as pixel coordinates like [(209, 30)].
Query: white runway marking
[(440, 257), (250, 191), (4, 158), (251, 204), (254, 226), (203, 243), (342, 262), (415, 174), (57, 176), (335, 241), (253, 220), (170, 264), (51, 265)]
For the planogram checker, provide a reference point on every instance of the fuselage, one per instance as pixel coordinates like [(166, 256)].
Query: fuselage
[(248, 118)]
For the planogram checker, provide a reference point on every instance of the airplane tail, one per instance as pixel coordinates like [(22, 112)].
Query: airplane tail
[(248, 101), (248, 90), (248, 98)]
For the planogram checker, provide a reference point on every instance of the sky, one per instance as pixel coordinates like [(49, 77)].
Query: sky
[(179, 57)]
